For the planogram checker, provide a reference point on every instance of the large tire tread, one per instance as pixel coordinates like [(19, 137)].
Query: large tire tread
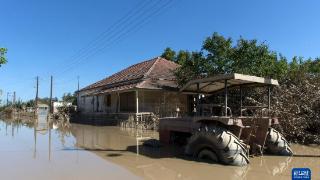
[(223, 143), (276, 144)]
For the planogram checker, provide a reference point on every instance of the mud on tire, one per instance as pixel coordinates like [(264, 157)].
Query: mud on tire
[(217, 144), (276, 144)]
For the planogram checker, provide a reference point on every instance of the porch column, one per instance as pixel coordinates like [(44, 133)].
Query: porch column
[(269, 99), (118, 103), (241, 96), (226, 97), (198, 99), (137, 101)]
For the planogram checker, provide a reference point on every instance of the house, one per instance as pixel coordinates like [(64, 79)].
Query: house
[(59, 104), (43, 109), (149, 86), (29, 109)]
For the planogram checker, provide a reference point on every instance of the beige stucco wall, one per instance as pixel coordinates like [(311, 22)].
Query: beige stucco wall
[(163, 103), (88, 104), (113, 107), (85, 103)]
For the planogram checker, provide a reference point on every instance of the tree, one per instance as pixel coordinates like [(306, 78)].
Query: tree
[(297, 97), (3, 58), (191, 66), (68, 97), (169, 54), (246, 56), (220, 55), (281, 68), (30, 103)]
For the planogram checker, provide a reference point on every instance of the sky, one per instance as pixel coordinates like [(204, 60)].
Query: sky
[(94, 39)]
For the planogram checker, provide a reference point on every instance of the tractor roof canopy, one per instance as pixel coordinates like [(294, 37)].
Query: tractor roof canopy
[(216, 83)]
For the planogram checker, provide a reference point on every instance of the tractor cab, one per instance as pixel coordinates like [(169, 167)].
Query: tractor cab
[(228, 121), (221, 85)]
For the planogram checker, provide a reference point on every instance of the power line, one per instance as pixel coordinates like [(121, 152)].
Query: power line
[(132, 21), (110, 32), (112, 28), (67, 81), (112, 36), (123, 33)]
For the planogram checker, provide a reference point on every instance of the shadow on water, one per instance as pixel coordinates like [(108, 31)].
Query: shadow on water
[(121, 146), (306, 155), (124, 147), (43, 149), (114, 155)]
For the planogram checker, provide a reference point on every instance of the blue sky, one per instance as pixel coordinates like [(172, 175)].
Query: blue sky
[(53, 37)]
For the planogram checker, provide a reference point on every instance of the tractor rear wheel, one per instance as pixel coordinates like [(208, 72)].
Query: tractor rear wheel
[(276, 144), (217, 144)]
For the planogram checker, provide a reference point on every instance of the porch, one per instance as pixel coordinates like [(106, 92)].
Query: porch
[(132, 104)]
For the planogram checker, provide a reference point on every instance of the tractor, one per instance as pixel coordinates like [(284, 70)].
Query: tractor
[(225, 134)]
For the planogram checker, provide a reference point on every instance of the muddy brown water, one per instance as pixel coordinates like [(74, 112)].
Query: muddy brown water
[(74, 151)]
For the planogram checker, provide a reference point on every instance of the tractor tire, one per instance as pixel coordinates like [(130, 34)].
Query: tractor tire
[(218, 145), (276, 144)]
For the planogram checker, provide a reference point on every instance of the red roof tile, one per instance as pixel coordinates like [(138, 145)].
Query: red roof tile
[(139, 76)]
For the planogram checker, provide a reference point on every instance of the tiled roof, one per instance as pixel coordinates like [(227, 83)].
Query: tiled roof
[(147, 74)]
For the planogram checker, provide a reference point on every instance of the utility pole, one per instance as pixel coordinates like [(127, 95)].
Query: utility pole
[(78, 91), (50, 101), (8, 98), (37, 93), (78, 82), (14, 98)]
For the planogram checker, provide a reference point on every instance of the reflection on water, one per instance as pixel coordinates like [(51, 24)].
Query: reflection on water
[(119, 146), (32, 151), (42, 124), (122, 148)]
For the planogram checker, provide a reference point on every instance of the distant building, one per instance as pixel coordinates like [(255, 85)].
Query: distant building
[(42, 124), (56, 105), (29, 109), (146, 87), (42, 109)]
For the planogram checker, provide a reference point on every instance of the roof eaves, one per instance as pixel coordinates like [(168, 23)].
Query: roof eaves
[(145, 76), (152, 67)]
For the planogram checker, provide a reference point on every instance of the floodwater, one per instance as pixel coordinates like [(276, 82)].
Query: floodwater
[(74, 151)]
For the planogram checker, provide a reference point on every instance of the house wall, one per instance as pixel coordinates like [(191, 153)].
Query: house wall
[(162, 103), (97, 103), (88, 107), (103, 103), (85, 102)]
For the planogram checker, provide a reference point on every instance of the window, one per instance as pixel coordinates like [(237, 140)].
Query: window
[(83, 99), (107, 100), (127, 102)]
